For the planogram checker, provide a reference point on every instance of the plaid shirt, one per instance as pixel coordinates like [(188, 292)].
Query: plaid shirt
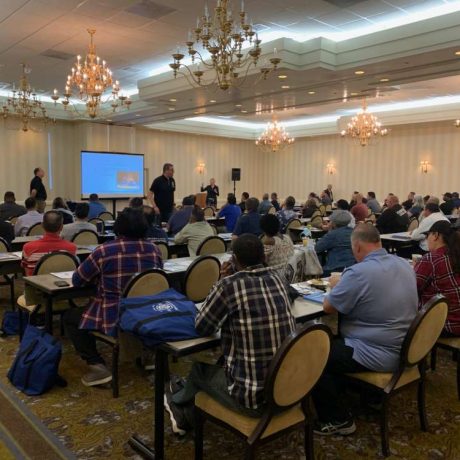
[(435, 276), (114, 262), (252, 308)]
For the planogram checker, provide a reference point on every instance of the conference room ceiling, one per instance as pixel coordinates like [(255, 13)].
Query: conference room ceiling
[(322, 43)]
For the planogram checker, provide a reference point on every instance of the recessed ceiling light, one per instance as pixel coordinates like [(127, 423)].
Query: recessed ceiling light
[(282, 77), (359, 72), (212, 100), (237, 105), (383, 80), (172, 100), (285, 87), (311, 92)]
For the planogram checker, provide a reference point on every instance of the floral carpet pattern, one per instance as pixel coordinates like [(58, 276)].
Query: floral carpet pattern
[(93, 425)]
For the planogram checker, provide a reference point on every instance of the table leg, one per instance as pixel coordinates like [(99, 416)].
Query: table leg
[(49, 315), (136, 443)]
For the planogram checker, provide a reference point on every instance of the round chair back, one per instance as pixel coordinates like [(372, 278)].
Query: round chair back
[(297, 365), (293, 223), (413, 225), (200, 277), (211, 245), (99, 223), (13, 220), (316, 222), (4, 245), (85, 237), (322, 209), (149, 282), (106, 215), (328, 208), (208, 211), (163, 247), (59, 261), (36, 229)]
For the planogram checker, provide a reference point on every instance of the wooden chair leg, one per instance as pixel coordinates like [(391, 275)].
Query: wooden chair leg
[(199, 428), (434, 355), (458, 375), (21, 323), (115, 355), (308, 440), (13, 302), (421, 404), (384, 427), (249, 453)]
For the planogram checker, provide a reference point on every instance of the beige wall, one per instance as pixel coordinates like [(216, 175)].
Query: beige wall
[(393, 164)]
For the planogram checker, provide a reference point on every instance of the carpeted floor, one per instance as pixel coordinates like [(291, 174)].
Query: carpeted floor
[(93, 425)]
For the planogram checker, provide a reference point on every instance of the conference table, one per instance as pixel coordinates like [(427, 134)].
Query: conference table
[(303, 311), (395, 241)]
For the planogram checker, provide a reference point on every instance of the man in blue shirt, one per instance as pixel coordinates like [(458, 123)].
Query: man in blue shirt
[(337, 243), (95, 206), (231, 212), (182, 217), (377, 298), (249, 222), (265, 204)]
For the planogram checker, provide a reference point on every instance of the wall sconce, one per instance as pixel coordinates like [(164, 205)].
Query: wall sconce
[(200, 168), (457, 123), (424, 166), (330, 168)]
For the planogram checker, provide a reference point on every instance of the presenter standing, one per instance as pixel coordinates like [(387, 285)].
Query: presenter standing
[(212, 191), (37, 189), (161, 194)]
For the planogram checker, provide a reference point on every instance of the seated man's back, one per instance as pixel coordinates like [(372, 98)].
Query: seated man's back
[(10, 208), (26, 221), (81, 222)]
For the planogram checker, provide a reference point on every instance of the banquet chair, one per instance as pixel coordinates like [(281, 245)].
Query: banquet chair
[(413, 224), (292, 374), (200, 277), (211, 245), (87, 237), (35, 230), (164, 249), (208, 211), (8, 277), (420, 339), (106, 215)]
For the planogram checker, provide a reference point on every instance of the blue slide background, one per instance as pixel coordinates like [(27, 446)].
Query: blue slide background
[(100, 174)]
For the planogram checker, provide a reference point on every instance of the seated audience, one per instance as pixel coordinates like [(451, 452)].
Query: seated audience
[(60, 206), (287, 212), (344, 206), (264, 205), (154, 229), (309, 208), (275, 202), (314, 196), (372, 203), (244, 197), (26, 221), (385, 201), (231, 212), (325, 198), (250, 221), (6, 231), (394, 219), (352, 199), (359, 210), (9, 208), (180, 218), (438, 272), (136, 202), (51, 241), (417, 207), (81, 222), (252, 310), (377, 300), (456, 200), (278, 248), (448, 206), (337, 243), (431, 214), (195, 231), (95, 206), (111, 264), (409, 202)]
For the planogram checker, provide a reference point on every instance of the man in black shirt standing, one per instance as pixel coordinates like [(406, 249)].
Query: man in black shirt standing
[(161, 194), (37, 189)]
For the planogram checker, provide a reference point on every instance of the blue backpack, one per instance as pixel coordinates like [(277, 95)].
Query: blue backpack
[(164, 317), (35, 368), (10, 322)]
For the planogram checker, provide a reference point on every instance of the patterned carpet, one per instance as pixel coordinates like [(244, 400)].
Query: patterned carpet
[(93, 425)]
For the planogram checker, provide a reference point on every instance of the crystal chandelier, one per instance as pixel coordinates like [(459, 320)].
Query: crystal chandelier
[(91, 78), (363, 126), (223, 37), (274, 138), (24, 103)]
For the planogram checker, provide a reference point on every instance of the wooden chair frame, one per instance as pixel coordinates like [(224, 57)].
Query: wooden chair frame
[(162, 244), (190, 269), (208, 211), (206, 240), (105, 214), (272, 408), (404, 364), (85, 231), (95, 221), (33, 227)]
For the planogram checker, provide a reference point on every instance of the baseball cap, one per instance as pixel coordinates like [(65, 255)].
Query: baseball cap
[(443, 227)]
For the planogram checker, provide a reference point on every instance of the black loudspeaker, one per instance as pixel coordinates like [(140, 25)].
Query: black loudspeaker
[(236, 174)]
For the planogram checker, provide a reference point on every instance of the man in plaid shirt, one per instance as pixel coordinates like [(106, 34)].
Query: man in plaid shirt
[(253, 312), (111, 265)]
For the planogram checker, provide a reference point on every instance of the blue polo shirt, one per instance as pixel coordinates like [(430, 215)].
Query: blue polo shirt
[(378, 300), (248, 223), (231, 212), (95, 208)]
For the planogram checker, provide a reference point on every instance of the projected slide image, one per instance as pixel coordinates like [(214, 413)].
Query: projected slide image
[(127, 180)]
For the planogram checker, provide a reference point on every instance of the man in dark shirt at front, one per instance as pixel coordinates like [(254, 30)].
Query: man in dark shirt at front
[(250, 306), (161, 193), (37, 189), (249, 222), (9, 208), (448, 206), (394, 219)]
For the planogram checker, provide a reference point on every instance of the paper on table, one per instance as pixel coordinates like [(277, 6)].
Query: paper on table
[(63, 275), (17, 254), (9, 255)]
